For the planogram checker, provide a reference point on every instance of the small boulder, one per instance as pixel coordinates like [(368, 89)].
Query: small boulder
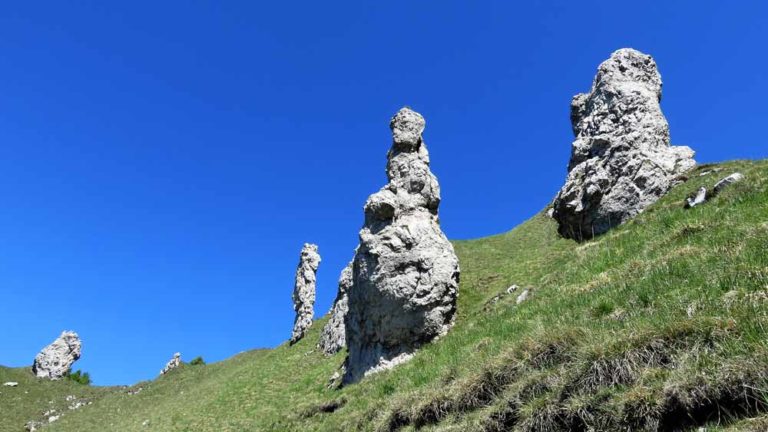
[(172, 364), (699, 198), (523, 296), (55, 360), (727, 181), (11, 384)]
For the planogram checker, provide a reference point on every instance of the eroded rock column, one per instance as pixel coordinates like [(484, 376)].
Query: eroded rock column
[(55, 360), (304, 291), (621, 160), (405, 274)]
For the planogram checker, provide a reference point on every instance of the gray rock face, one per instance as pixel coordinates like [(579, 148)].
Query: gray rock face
[(405, 274), (304, 291), (621, 160), (55, 360), (333, 337), (172, 364)]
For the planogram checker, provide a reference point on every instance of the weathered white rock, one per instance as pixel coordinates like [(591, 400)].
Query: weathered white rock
[(523, 296), (703, 195), (33, 426), (55, 360), (333, 338), (699, 198), (172, 364), (727, 181), (405, 274), (304, 291), (11, 384), (621, 160)]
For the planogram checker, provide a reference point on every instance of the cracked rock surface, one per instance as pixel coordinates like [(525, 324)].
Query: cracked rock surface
[(621, 158), (405, 274)]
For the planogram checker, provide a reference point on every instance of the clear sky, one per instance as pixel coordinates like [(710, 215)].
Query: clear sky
[(162, 164)]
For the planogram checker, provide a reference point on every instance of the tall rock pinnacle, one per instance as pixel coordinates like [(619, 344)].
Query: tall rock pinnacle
[(333, 337), (55, 360), (304, 291), (405, 274), (621, 160)]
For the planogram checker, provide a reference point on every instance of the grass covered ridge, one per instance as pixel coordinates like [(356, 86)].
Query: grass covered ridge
[(658, 325)]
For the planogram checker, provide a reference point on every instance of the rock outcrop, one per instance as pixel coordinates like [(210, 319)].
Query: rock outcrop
[(304, 291), (621, 160), (172, 364), (405, 274), (55, 360), (333, 337)]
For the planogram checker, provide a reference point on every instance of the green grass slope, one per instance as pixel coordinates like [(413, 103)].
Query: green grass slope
[(658, 325)]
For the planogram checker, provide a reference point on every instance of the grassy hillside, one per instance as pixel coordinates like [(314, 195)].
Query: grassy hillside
[(658, 325)]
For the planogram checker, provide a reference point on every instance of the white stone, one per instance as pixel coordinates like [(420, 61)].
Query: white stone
[(523, 296), (727, 181), (172, 364), (699, 198), (11, 384)]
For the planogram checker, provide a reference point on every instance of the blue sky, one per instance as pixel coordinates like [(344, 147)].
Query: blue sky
[(163, 164)]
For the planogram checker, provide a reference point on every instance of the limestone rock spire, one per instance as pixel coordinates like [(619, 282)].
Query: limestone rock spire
[(304, 291), (405, 274)]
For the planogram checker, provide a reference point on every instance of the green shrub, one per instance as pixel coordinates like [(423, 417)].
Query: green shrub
[(197, 361), (79, 377)]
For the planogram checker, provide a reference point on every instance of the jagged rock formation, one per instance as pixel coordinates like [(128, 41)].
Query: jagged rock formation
[(333, 337), (621, 160), (55, 360), (405, 274), (304, 291), (172, 364)]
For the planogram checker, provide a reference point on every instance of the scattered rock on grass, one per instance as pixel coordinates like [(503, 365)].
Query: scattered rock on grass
[(699, 198), (172, 364), (11, 384), (703, 195), (523, 296), (727, 181)]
